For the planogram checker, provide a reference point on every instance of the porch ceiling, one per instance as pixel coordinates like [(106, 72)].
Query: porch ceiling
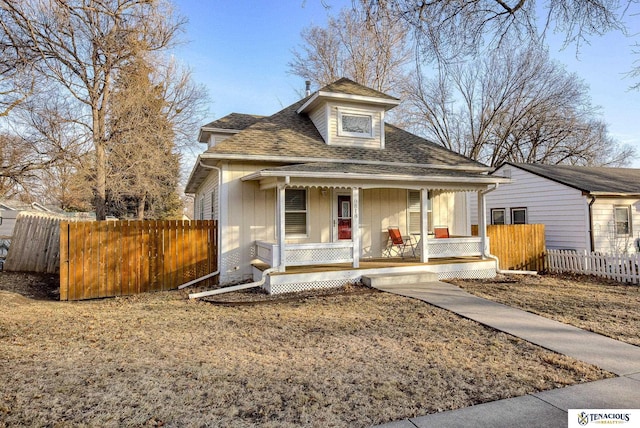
[(372, 176)]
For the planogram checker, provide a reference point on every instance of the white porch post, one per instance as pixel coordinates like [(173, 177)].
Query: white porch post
[(280, 229), (482, 223), (424, 225), (355, 225)]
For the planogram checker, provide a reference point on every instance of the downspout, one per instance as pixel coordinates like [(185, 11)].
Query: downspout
[(235, 287), (219, 234), (491, 256), (483, 236), (591, 239)]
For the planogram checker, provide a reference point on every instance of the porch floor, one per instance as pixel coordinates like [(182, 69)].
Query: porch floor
[(375, 263)]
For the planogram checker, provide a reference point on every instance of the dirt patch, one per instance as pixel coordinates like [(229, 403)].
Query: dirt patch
[(31, 285), (326, 360), (588, 302)]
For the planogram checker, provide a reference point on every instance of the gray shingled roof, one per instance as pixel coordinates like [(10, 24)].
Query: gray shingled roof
[(603, 180), (234, 121), (349, 87), (288, 134)]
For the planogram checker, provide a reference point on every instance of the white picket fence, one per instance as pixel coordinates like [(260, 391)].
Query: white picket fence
[(619, 267)]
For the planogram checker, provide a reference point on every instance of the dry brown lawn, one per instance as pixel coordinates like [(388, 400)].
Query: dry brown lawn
[(588, 302), (159, 359)]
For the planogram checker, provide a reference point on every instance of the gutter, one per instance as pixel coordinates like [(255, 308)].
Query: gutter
[(219, 234), (591, 239)]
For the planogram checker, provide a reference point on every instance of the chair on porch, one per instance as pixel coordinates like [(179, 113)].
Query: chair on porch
[(397, 244), (441, 231)]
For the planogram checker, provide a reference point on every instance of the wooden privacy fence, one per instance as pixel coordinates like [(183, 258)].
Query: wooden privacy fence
[(35, 245), (619, 267), (517, 246), (115, 258)]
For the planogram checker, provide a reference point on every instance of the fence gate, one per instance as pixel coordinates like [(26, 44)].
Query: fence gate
[(116, 258)]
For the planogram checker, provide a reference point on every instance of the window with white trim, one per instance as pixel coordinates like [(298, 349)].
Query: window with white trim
[(623, 219), (355, 124), (518, 216), (295, 212), (202, 207), (497, 216), (413, 212)]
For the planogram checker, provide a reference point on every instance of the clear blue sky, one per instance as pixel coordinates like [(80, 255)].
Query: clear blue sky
[(239, 49)]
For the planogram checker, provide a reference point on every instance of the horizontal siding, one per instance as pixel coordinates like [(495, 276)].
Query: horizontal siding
[(319, 119), (562, 209), (605, 238), (336, 140)]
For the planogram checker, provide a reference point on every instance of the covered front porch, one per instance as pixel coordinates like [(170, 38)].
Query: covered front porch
[(335, 217)]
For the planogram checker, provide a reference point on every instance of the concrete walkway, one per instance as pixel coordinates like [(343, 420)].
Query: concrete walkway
[(544, 409)]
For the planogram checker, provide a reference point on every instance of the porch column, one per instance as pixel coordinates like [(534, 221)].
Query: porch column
[(482, 223), (424, 225), (355, 225), (280, 230)]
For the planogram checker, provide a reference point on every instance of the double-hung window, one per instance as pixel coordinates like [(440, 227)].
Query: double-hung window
[(413, 212), (295, 212), (623, 219)]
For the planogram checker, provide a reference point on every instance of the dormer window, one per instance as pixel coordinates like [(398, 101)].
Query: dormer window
[(355, 124)]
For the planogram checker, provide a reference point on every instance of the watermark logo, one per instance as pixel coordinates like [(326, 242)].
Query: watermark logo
[(627, 418)]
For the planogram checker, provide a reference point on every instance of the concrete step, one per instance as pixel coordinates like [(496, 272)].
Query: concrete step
[(398, 279)]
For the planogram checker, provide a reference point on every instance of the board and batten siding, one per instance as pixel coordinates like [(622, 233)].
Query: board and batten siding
[(562, 209), (248, 214)]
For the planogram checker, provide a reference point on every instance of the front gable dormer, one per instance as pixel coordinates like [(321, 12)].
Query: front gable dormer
[(349, 115)]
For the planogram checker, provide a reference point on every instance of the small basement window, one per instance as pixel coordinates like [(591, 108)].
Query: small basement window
[(351, 124)]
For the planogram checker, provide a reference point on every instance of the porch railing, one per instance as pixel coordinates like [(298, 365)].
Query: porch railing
[(342, 252), (305, 254), (455, 247)]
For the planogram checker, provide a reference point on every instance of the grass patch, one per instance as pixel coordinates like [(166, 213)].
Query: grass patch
[(588, 302), (340, 360)]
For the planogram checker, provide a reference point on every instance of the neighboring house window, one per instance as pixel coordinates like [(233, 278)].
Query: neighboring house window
[(413, 212), (202, 207), (351, 124), (295, 212), (623, 220), (518, 216), (497, 216)]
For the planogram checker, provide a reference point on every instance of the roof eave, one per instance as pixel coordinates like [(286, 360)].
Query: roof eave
[(387, 103), (207, 130), (300, 159), (484, 179)]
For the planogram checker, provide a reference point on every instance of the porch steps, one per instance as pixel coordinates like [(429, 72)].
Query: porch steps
[(391, 280)]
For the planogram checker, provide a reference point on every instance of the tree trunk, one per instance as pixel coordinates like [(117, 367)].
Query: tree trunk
[(141, 202)]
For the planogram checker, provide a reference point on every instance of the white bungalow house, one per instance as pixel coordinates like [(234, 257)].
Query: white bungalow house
[(312, 189), (582, 208)]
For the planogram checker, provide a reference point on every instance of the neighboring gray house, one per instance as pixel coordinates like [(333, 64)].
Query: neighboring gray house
[(9, 211), (582, 208)]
